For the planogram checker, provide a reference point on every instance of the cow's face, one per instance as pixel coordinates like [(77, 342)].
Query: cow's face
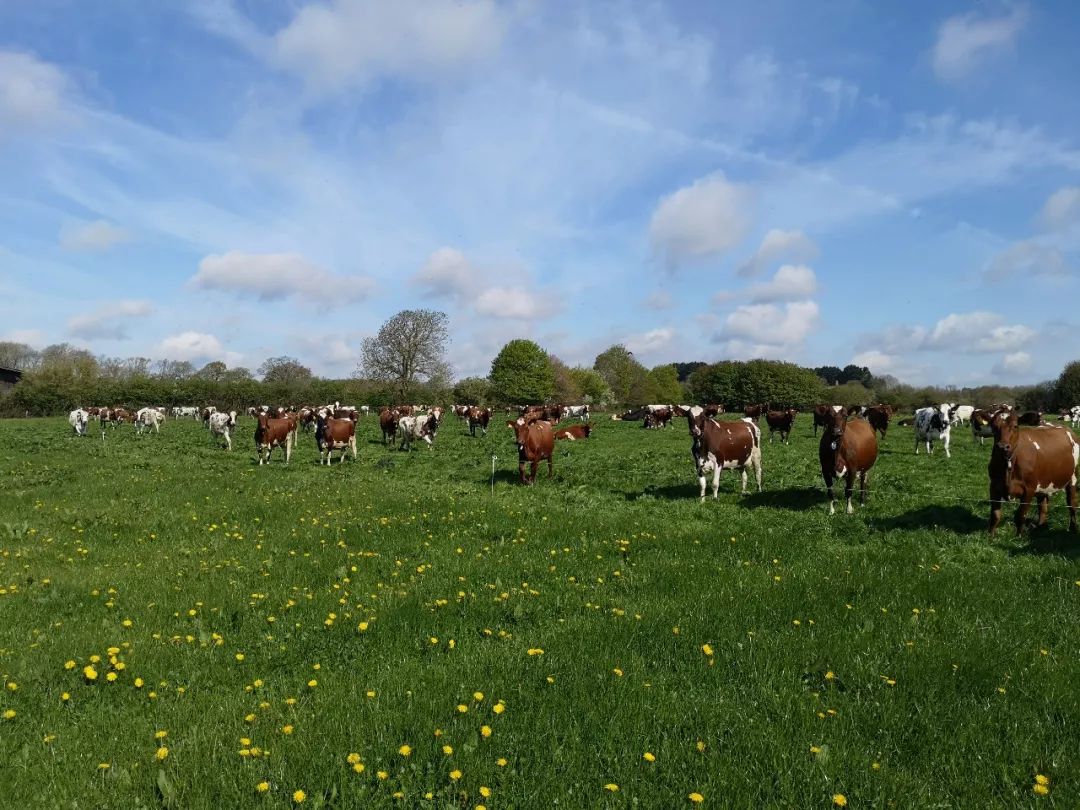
[(1005, 429), (836, 423)]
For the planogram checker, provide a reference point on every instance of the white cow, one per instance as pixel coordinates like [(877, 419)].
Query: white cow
[(580, 411), (961, 414), (186, 411), (221, 424), (148, 418), (932, 424), (78, 420), (424, 426)]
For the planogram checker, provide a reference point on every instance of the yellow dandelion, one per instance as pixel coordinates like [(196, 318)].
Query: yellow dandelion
[(161, 735), (707, 649), (382, 775), (405, 750), (139, 683), (69, 665), (700, 746), (103, 766), (649, 756), (485, 731), (110, 676), (65, 696), (161, 754), (455, 775), (358, 767), (499, 708), (485, 792), (1042, 780), (501, 762), (9, 714), (362, 627), (462, 708), (239, 656), (312, 683), (299, 796), (287, 729), (612, 787), (618, 672), (1040, 790), (839, 799), (262, 787), (89, 673), (696, 798), (478, 696)]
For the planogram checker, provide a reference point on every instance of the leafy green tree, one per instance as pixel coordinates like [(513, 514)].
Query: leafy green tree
[(522, 374), (472, 391), (1067, 387), (566, 388), (594, 389), (284, 371), (664, 385), (214, 371), (625, 376), (18, 355), (409, 350)]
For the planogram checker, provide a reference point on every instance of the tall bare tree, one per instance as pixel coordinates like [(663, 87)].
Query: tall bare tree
[(409, 349)]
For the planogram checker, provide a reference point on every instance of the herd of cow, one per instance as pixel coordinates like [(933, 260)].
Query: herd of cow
[(1025, 465)]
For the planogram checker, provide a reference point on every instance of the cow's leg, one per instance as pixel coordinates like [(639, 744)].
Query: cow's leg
[(1070, 499), (916, 444), (716, 482), (1043, 502), (533, 467), (743, 476), (945, 442), (862, 487), (1021, 513), (228, 441), (829, 490), (352, 446), (755, 457), (849, 486), (701, 482), (521, 471)]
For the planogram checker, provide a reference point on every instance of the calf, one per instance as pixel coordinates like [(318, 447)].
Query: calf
[(424, 427), (1031, 464), (78, 420), (222, 424), (780, 422), (573, 432), (536, 442), (932, 424), (332, 433), (479, 418), (388, 422), (722, 446), (271, 433), (847, 449)]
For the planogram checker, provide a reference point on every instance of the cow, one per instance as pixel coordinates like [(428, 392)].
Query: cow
[(932, 424), (148, 419), (404, 410), (274, 432), (573, 432), (847, 449), (423, 426), (549, 413), (1072, 415), (461, 411), (961, 414), (878, 417), (1031, 464), (1031, 419), (206, 414), (719, 446), (388, 422), (754, 411), (222, 424), (307, 418), (536, 442), (821, 416), (780, 422), (981, 428), (333, 433), (118, 416), (578, 411), (856, 410), (78, 420), (659, 418), (714, 409), (187, 412), (479, 418)]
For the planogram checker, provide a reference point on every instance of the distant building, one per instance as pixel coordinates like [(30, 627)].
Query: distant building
[(8, 378)]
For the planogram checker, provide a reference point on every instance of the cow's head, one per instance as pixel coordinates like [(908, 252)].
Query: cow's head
[(1005, 427), (835, 424)]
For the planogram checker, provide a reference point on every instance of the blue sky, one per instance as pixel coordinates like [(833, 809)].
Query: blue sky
[(893, 185)]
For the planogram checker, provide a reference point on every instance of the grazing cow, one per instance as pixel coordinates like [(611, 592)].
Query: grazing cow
[(780, 422), (573, 432), (536, 442), (961, 414), (754, 411), (479, 418), (847, 449), (388, 422), (932, 424), (332, 433), (78, 420), (659, 418), (722, 446), (1031, 464), (187, 412), (423, 426), (878, 417), (222, 424), (147, 419), (274, 432), (1072, 415), (1031, 419), (578, 411)]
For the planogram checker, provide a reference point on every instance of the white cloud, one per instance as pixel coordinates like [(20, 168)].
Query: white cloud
[(196, 346), (957, 333), (446, 274), (778, 245), (108, 321), (276, 276), (704, 219), (792, 282), (31, 337), (1014, 363), (966, 40), (770, 324), (1027, 258), (1062, 209), (95, 236), (32, 93), (659, 300), (516, 302), (652, 341), (352, 42), (896, 365)]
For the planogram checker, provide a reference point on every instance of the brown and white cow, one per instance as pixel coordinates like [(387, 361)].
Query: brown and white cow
[(478, 418), (333, 433), (722, 446), (549, 413), (573, 432), (847, 449), (536, 442), (780, 422), (388, 422), (222, 424), (271, 433), (1031, 464), (421, 426), (658, 418)]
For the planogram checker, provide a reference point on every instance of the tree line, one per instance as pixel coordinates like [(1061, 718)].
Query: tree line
[(406, 362)]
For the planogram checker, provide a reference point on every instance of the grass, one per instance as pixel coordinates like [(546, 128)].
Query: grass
[(898, 656)]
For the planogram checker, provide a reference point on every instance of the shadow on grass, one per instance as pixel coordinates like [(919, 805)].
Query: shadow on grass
[(796, 499), (1044, 542), (670, 492), (954, 518)]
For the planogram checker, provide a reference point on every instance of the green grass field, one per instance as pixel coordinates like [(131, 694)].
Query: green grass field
[(599, 640)]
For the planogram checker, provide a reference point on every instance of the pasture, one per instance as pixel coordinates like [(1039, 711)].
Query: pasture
[(393, 633)]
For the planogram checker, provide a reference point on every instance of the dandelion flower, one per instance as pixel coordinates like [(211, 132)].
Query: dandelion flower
[(707, 649), (696, 798), (1040, 790), (382, 775), (161, 754), (66, 696), (287, 729), (9, 714), (701, 746), (501, 762), (299, 796), (262, 787), (499, 708), (455, 775), (69, 665), (239, 656), (839, 799), (648, 756), (139, 683), (462, 708), (485, 792), (313, 683), (358, 767), (362, 627), (485, 731), (405, 750), (1042, 780), (110, 676), (89, 673), (611, 786), (161, 735)]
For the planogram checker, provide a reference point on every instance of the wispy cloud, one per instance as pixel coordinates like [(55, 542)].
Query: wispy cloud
[(966, 41), (277, 276), (109, 321), (95, 236)]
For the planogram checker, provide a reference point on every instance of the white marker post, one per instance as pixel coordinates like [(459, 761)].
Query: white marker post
[(493, 460)]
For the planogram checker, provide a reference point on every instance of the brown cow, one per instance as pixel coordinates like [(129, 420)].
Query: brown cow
[(271, 433), (388, 420), (658, 418), (120, 415), (821, 416), (722, 446), (754, 411), (846, 449), (573, 432), (550, 413), (404, 410), (878, 417), (478, 418), (535, 441), (780, 422), (981, 429), (713, 410), (1033, 463), (332, 433), (1031, 419)]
